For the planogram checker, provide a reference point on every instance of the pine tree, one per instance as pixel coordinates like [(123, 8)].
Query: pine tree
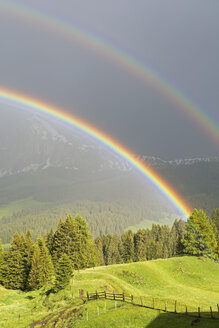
[(33, 280), (46, 269), (194, 242), (203, 225), (13, 271), (128, 254), (99, 247), (113, 254), (140, 247), (64, 272), (73, 238), (42, 270), (49, 240)]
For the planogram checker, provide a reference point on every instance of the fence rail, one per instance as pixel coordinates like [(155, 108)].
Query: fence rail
[(152, 303)]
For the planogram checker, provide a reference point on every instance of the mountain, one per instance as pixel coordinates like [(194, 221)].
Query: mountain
[(48, 166)]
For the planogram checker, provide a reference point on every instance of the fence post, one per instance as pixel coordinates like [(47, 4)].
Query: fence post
[(153, 303), (217, 307), (211, 312), (175, 305), (87, 296), (123, 297), (105, 295), (114, 296), (141, 301), (199, 312), (165, 306), (186, 310), (132, 299), (96, 295)]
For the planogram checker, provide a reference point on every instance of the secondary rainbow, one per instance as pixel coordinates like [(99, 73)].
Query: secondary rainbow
[(22, 101), (119, 57)]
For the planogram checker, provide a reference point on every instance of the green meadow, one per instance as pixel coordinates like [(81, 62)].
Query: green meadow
[(193, 282)]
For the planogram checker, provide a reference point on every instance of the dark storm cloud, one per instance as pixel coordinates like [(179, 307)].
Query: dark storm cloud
[(179, 39)]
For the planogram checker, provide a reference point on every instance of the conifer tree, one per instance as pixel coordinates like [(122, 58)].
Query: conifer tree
[(140, 246), (194, 242), (13, 271), (204, 226), (99, 247), (128, 246), (42, 270), (33, 279), (73, 238), (113, 254), (64, 272)]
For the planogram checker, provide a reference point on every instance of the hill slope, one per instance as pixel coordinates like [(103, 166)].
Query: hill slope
[(191, 281)]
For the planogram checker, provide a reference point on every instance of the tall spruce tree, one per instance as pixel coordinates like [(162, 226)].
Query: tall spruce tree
[(73, 238), (194, 242), (13, 271), (64, 272), (42, 270), (128, 253), (204, 226), (140, 246)]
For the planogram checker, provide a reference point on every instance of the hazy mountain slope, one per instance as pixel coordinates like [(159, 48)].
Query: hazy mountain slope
[(51, 165)]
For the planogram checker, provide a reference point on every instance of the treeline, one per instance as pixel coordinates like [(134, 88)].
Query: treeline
[(51, 259), (199, 237), (29, 266), (102, 217)]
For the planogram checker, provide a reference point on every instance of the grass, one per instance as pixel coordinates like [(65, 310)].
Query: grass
[(191, 281), (147, 224), (17, 206)]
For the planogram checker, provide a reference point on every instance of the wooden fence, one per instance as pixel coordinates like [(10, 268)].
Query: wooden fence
[(152, 303)]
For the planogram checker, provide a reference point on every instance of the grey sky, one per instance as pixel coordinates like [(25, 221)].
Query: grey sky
[(178, 39)]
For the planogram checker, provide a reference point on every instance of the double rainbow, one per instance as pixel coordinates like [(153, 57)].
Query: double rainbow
[(120, 58), (24, 102)]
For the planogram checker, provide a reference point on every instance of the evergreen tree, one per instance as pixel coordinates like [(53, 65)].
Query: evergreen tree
[(99, 247), (204, 226), (194, 242), (113, 254), (140, 247), (64, 272), (73, 238), (13, 271), (42, 270), (33, 280), (49, 240), (128, 254)]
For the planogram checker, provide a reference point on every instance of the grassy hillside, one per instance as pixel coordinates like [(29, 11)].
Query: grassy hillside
[(191, 281)]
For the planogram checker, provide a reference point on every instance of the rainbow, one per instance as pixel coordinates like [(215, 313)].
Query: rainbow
[(25, 102), (120, 58)]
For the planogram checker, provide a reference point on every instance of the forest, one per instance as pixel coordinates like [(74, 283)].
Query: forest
[(52, 258)]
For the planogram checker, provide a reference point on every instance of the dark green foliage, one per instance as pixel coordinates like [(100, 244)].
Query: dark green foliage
[(194, 242), (25, 266), (99, 247), (73, 238), (63, 273), (42, 270), (204, 226), (128, 254), (140, 245), (13, 271)]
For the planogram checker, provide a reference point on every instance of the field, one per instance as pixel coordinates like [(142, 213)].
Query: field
[(191, 281)]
